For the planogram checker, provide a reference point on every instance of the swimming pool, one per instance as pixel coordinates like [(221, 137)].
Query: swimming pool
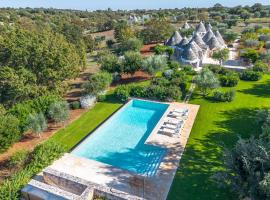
[(120, 140)]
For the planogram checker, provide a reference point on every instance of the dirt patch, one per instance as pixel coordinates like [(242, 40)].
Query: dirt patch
[(29, 141), (148, 50), (109, 35)]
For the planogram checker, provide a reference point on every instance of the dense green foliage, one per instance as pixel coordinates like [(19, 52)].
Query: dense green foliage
[(221, 55), (156, 31), (154, 64), (132, 62), (59, 111), (98, 83), (206, 81), (247, 164), (229, 79), (132, 44), (110, 63), (249, 75), (161, 88), (46, 60), (226, 96), (9, 131), (41, 157), (37, 123), (24, 109)]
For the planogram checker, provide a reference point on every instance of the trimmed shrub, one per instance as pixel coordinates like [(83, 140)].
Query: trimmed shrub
[(229, 80), (224, 96), (218, 69), (260, 66), (137, 91), (122, 92), (75, 105), (249, 75)]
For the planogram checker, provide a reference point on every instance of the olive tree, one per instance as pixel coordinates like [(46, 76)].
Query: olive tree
[(221, 55), (132, 62), (37, 123), (98, 83), (206, 81), (154, 63), (59, 111)]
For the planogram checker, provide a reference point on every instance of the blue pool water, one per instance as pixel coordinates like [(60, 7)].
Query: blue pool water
[(120, 140)]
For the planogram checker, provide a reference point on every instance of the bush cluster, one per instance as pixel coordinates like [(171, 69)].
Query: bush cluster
[(229, 80), (42, 156), (169, 87), (249, 75), (155, 92), (224, 96), (38, 105)]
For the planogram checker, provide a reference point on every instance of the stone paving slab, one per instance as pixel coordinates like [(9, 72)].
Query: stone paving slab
[(127, 184)]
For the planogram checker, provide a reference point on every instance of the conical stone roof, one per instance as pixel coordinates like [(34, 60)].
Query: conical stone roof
[(219, 37), (183, 43), (186, 26), (189, 55), (208, 36), (213, 43), (174, 39), (195, 48), (201, 28), (199, 41)]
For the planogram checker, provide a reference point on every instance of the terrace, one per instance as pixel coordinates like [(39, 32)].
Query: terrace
[(73, 177)]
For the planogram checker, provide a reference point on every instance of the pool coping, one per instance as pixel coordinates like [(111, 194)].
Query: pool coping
[(135, 186)]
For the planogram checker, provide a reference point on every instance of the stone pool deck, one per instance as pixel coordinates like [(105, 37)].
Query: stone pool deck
[(73, 177)]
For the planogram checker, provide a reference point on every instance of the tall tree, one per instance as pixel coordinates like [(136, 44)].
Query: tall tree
[(206, 81)]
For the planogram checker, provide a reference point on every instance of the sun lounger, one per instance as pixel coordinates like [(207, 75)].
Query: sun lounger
[(175, 114), (170, 132), (173, 121), (167, 131), (181, 110), (170, 126)]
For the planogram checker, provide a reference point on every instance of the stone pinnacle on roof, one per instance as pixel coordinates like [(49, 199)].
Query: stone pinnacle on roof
[(219, 37), (208, 26), (201, 28), (199, 41), (186, 26), (183, 43), (174, 39), (189, 55), (208, 36), (213, 43)]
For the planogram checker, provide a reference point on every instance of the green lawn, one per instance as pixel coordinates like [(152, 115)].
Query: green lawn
[(77, 130), (217, 124)]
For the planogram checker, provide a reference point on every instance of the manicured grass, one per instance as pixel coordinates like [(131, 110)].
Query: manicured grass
[(217, 124), (77, 130)]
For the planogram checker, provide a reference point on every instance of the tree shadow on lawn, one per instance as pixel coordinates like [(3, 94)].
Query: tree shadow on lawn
[(204, 157), (258, 89)]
